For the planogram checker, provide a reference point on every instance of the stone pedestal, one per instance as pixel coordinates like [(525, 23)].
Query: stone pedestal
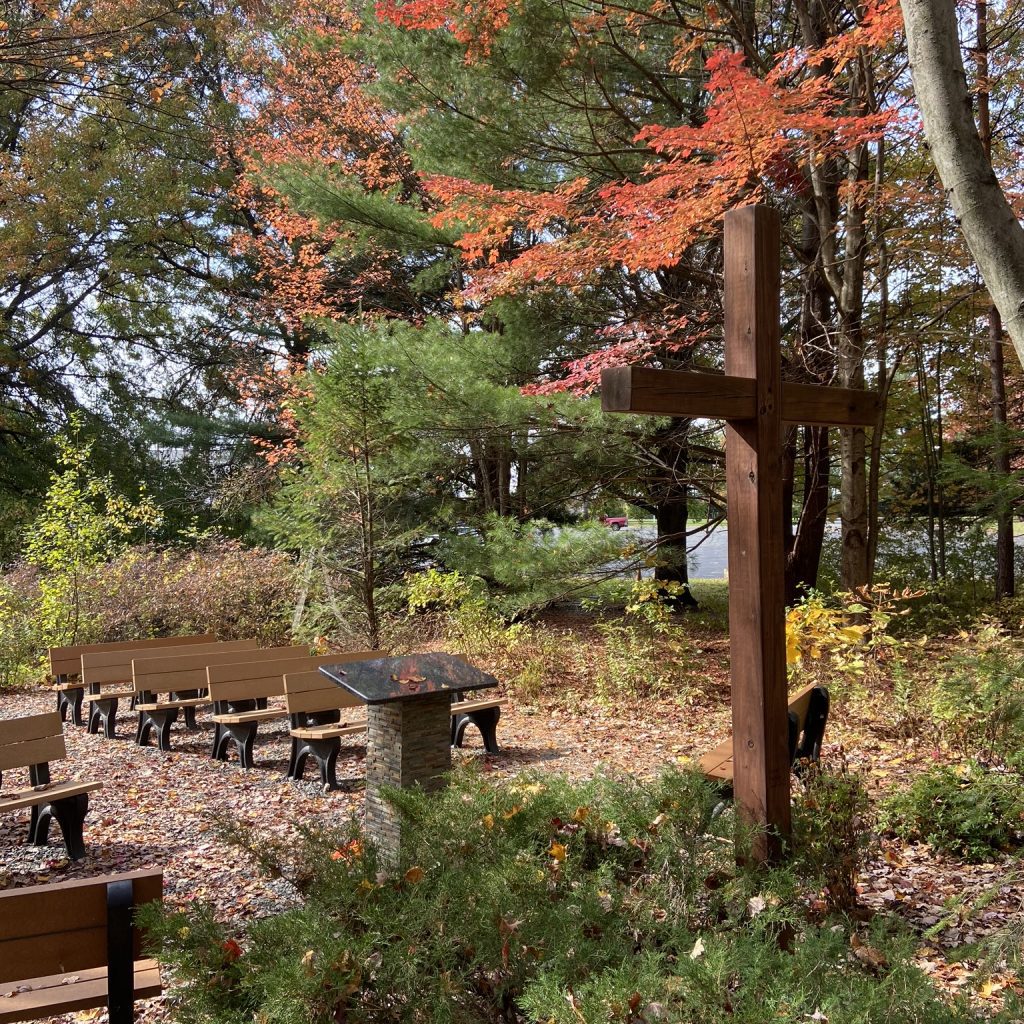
[(408, 744)]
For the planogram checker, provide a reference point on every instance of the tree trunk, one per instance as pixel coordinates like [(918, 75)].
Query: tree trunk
[(989, 225), (997, 377), (671, 497), (803, 559)]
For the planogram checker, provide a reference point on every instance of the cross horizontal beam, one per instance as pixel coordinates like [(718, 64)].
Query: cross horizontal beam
[(640, 389)]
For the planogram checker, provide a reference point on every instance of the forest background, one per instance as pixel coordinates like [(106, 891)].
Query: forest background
[(339, 281)]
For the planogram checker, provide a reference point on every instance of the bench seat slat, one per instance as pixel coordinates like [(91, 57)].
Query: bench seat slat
[(242, 717), (164, 705), (108, 695), (326, 732), (31, 797), (51, 995), (464, 707)]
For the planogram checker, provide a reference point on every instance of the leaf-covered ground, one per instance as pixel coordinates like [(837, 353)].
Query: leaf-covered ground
[(156, 809)]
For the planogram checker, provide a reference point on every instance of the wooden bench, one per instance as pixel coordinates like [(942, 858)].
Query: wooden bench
[(315, 707), (108, 677), (808, 714), (66, 667), (237, 689), (75, 946), (31, 743), (184, 672)]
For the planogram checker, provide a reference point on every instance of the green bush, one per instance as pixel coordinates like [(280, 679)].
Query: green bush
[(974, 812), (978, 696), (539, 900), (831, 830)]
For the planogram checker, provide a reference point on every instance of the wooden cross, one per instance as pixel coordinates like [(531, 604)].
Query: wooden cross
[(755, 404)]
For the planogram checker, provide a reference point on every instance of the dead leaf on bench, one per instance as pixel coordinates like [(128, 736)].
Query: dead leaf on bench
[(71, 979)]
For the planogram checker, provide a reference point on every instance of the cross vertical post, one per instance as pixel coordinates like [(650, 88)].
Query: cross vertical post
[(751, 397), (757, 629)]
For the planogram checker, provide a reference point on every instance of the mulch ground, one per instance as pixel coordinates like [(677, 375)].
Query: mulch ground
[(157, 809)]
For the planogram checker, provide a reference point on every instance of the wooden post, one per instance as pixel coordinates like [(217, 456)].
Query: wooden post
[(757, 629), (754, 402)]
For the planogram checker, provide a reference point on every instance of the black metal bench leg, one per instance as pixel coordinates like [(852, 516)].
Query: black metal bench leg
[(326, 754), (221, 739), (243, 735), (294, 771), (103, 714), (39, 825), (120, 952), (76, 706), (245, 743), (486, 720), (70, 814)]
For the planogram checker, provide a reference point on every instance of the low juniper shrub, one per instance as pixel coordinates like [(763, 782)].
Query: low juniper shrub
[(975, 812), (540, 900)]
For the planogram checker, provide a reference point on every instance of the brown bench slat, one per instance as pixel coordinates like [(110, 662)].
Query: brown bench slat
[(54, 994), (247, 680), (185, 702), (116, 666), (68, 660), (241, 717), (33, 919), (21, 755), (91, 698), (326, 732), (718, 763), (162, 674), (20, 799), (30, 727)]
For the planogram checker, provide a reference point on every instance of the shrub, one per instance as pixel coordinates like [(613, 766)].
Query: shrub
[(219, 587), (973, 812), (645, 651), (539, 900), (978, 696), (831, 830), (18, 646)]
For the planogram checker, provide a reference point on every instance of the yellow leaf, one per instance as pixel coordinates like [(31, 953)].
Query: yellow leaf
[(581, 814), (512, 812), (488, 821), (558, 851)]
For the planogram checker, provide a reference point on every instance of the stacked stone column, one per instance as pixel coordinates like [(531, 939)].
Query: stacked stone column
[(408, 744)]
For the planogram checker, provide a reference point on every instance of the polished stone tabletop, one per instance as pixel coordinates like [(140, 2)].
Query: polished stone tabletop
[(380, 680)]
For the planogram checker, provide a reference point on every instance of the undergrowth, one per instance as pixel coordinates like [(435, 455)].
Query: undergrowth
[(542, 900)]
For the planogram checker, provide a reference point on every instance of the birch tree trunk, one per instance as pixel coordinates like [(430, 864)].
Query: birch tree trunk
[(992, 232)]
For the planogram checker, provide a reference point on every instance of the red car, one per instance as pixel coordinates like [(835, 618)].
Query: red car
[(615, 522)]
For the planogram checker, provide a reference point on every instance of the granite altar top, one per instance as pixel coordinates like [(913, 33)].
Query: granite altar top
[(417, 675)]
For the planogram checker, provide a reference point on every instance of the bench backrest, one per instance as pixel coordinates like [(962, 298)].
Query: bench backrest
[(185, 671), (56, 929), (246, 680), (310, 691), (109, 667), (32, 740), (808, 713), (67, 661)]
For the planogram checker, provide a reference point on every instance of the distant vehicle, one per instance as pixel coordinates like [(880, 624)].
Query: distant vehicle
[(615, 522)]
